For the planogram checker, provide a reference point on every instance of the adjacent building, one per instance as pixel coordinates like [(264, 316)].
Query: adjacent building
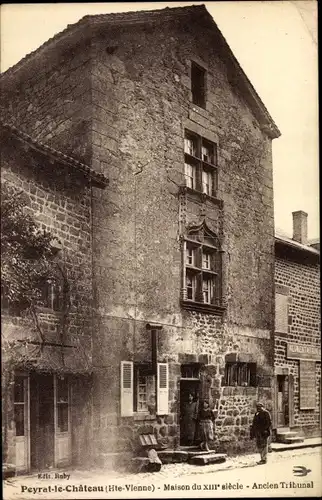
[(297, 334), (47, 358), (180, 247)]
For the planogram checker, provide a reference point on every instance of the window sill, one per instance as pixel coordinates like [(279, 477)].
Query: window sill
[(239, 390), (143, 416), (199, 107), (203, 196), (47, 310), (191, 305)]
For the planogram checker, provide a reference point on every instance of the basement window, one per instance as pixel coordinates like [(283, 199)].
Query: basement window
[(198, 85), (240, 374)]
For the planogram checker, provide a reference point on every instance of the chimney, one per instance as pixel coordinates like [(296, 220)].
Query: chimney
[(300, 227)]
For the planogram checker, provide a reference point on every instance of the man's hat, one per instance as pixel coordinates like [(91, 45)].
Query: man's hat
[(259, 404)]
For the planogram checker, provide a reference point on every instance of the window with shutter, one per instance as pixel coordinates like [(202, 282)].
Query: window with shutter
[(281, 313), (144, 388), (126, 388), (163, 389)]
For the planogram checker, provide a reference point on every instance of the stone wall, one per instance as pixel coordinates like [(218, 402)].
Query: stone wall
[(51, 99), (301, 278), (139, 119), (140, 104)]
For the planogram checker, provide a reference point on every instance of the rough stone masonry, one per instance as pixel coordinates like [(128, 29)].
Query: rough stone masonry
[(115, 91)]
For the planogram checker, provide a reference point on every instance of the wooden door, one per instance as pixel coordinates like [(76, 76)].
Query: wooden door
[(42, 421)]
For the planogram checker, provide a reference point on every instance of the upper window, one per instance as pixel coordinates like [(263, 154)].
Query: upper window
[(198, 85), (200, 164), (202, 275), (51, 292)]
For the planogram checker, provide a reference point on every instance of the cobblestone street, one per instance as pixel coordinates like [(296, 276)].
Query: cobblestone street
[(182, 480)]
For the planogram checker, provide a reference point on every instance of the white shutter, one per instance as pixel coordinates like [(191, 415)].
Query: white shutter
[(126, 388), (163, 389)]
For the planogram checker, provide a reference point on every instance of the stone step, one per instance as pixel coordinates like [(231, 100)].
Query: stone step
[(282, 429), (8, 470), (290, 440), (286, 434), (173, 456), (307, 443), (208, 458), (190, 448), (198, 452)]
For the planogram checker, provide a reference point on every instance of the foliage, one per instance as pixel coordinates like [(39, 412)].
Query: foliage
[(26, 251)]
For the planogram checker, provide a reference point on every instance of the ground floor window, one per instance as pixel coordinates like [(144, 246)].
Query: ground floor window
[(240, 374), (19, 405), (62, 404), (144, 389)]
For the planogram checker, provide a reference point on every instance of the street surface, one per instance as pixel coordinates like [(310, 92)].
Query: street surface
[(238, 477)]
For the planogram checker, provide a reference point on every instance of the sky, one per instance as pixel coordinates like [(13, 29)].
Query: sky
[(275, 43)]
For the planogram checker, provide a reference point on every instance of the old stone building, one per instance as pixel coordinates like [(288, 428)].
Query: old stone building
[(183, 238), (297, 334), (47, 361)]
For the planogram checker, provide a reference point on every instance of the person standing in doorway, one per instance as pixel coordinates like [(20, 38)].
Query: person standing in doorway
[(261, 430), (206, 418), (189, 420)]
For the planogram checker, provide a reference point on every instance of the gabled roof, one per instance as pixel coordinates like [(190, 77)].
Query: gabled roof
[(98, 179), (190, 15)]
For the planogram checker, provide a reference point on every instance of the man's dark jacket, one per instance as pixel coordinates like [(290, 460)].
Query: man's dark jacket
[(261, 424)]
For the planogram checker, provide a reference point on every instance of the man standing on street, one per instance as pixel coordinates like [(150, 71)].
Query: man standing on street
[(260, 430)]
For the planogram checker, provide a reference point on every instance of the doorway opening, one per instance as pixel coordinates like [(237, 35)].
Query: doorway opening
[(189, 404), (283, 401), (42, 430), (50, 422)]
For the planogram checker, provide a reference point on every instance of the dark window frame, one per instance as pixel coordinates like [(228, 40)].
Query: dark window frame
[(198, 76), (240, 374), (201, 156), (201, 241), (51, 294)]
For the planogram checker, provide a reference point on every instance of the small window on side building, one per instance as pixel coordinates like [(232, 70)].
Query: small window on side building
[(198, 85)]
